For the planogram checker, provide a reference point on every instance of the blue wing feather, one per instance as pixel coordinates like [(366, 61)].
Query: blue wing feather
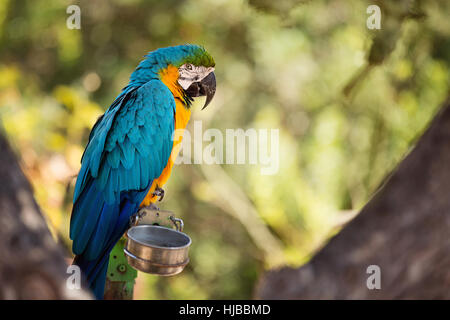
[(128, 148)]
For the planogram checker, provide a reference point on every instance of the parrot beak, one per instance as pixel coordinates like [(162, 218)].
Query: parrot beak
[(205, 87), (208, 88)]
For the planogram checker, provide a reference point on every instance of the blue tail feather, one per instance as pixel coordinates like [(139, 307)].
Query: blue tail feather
[(111, 224), (95, 273)]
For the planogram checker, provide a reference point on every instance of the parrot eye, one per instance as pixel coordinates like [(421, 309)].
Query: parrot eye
[(189, 66)]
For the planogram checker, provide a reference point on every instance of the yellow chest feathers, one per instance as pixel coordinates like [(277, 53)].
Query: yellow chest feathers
[(169, 77)]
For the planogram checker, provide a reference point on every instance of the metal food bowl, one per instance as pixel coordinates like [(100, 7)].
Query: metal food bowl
[(157, 250)]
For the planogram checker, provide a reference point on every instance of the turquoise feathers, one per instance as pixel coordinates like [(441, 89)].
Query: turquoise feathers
[(128, 148)]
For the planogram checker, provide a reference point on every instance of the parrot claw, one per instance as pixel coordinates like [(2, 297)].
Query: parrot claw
[(134, 219), (153, 206), (159, 192)]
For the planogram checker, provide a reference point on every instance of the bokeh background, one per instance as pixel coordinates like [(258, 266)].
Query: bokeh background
[(349, 103)]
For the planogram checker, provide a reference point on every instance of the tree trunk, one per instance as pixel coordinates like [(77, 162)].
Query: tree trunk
[(32, 265), (404, 229)]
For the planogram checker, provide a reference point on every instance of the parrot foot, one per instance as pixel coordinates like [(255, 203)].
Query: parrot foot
[(159, 192), (153, 206), (134, 219)]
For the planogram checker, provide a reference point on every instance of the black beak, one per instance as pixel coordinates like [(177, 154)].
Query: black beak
[(206, 87)]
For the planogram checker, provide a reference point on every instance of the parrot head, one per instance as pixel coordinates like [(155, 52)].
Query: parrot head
[(196, 73), (198, 81), (194, 70)]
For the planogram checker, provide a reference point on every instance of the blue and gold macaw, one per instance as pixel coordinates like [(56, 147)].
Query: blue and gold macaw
[(131, 151)]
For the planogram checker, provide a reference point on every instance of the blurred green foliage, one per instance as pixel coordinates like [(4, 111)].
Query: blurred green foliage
[(279, 65)]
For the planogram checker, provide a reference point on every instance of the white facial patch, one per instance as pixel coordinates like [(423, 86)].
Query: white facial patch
[(190, 73)]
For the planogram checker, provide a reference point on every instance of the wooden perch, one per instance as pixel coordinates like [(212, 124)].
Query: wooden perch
[(404, 229), (32, 264)]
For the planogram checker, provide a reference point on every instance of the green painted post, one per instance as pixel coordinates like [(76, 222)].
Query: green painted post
[(120, 278)]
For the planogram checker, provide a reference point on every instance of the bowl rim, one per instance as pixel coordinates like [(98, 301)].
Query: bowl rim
[(156, 246), (156, 264)]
